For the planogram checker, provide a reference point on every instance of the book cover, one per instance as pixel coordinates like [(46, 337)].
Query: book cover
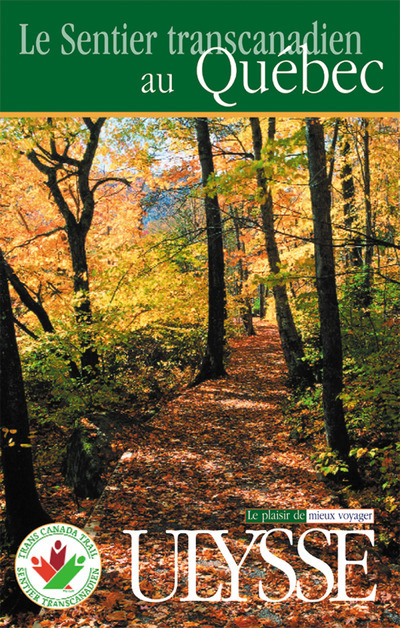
[(199, 283)]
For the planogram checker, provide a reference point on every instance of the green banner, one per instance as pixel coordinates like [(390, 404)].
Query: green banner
[(128, 56)]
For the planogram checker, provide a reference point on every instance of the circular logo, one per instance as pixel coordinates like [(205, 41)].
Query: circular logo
[(57, 566)]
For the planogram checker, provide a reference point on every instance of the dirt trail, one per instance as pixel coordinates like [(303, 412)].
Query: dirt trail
[(211, 453)]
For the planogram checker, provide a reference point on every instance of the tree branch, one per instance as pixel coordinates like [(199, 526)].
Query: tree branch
[(25, 329), (39, 235), (27, 299), (106, 179), (224, 152)]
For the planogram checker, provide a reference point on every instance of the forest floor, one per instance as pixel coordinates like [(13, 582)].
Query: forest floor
[(209, 454)]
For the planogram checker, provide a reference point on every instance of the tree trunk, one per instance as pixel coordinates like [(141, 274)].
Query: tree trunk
[(262, 295), (213, 361), (23, 510), (246, 313), (369, 247), (299, 371), (335, 426), (353, 256), (246, 310), (77, 227), (82, 305)]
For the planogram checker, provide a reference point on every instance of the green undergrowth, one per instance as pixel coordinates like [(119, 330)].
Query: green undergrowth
[(136, 371), (371, 399)]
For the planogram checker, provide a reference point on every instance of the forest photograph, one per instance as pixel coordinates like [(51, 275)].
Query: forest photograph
[(200, 316)]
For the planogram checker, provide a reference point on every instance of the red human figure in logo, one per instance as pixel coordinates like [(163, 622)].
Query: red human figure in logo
[(57, 555), (42, 567)]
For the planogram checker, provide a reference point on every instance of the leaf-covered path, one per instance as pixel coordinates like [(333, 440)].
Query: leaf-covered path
[(212, 452)]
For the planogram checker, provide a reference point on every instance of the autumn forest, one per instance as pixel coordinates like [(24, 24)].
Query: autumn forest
[(220, 298)]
